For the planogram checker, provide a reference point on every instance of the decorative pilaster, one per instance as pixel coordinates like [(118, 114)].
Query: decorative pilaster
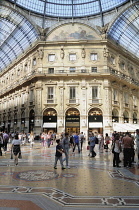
[(83, 102), (107, 107), (38, 107), (60, 117)]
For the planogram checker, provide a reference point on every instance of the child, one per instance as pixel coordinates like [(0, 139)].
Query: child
[(58, 155)]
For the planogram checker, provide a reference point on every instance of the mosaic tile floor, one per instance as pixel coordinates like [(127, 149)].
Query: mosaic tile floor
[(89, 183)]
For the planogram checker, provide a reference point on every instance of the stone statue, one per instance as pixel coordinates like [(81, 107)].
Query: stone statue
[(103, 30), (40, 54), (106, 52)]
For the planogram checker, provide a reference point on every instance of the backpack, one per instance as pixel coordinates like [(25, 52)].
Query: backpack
[(6, 137)]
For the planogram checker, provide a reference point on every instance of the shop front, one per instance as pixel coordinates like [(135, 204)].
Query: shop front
[(95, 121), (72, 121), (50, 120)]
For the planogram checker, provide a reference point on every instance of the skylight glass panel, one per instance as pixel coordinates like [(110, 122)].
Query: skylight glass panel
[(5, 28), (109, 4), (125, 30), (88, 9), (16, 35), (58, 10), (69, 8), (33, 5), (3, 65)]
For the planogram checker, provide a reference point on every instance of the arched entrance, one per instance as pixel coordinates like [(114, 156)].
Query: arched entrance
[(50, 120), (126, 117), (31, 120), (15, 122), (4, 122), (72, 120), (22, 121), (95, 120), (135, 121), (9, 123), (115, 115)]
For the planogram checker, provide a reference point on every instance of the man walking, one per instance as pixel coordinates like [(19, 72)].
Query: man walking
[(92, 139), (65, 145), (81, 139), (127, 142)]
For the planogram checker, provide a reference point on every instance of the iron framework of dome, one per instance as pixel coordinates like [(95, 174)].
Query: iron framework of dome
[(125, 30), (17, 33), (69, 8)]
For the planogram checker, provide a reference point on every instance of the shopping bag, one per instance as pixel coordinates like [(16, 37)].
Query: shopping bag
[(88, 147), (11, 155)]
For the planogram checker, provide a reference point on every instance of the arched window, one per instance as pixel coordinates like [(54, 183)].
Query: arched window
[(115, 115)]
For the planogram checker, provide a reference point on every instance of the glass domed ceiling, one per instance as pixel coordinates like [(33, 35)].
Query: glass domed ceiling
[(125, 30), (69, 8), (16, 35)]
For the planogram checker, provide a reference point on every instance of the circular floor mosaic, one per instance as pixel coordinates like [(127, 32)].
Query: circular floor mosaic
[(39, 175)]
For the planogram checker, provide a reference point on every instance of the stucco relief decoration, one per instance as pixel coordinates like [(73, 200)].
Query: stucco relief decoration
[(106, 52), (29, 62), (103, 30), (40, 53), (76, 32), (62, 54), (83, 54)]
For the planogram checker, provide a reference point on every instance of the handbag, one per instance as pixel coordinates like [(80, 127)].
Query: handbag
[(88, 147), (96, 140), (105, 146), (11, 155)]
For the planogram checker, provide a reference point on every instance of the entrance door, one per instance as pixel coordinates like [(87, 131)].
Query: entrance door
[(72, 121), (95, 121)]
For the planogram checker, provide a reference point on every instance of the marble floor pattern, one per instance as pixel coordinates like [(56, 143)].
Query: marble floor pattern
[(90, 183)]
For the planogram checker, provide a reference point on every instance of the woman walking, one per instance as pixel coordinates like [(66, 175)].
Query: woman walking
[(116, 151), (31, 139), (15, 148), (107, 141)]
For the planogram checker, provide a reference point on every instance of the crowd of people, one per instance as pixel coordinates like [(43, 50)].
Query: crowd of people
[(117, 143)]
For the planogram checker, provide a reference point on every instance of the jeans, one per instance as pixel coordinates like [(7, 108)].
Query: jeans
[(77, 146), (48, 142), (60, 159), (66, 156), (116, 159), (127, 157)]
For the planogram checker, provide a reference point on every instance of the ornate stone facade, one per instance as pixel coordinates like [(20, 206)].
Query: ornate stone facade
[(77, 70)]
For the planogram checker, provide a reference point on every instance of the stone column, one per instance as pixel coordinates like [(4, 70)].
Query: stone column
[(121, 100), (38, 108), (61, 116), (130, 107), (83, 104), (107, 107)]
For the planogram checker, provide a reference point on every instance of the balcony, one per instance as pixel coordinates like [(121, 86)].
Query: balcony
[(73, 101), (95, 101), (115, 103), (52, 101), (126, 105)]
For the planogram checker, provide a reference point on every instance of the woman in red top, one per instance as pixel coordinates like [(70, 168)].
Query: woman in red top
[(107, 141)]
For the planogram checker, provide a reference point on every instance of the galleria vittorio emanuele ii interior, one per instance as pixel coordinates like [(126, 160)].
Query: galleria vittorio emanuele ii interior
[(69, 67)]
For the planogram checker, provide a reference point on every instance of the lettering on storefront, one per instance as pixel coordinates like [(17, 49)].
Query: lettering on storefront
[(72, 119)]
